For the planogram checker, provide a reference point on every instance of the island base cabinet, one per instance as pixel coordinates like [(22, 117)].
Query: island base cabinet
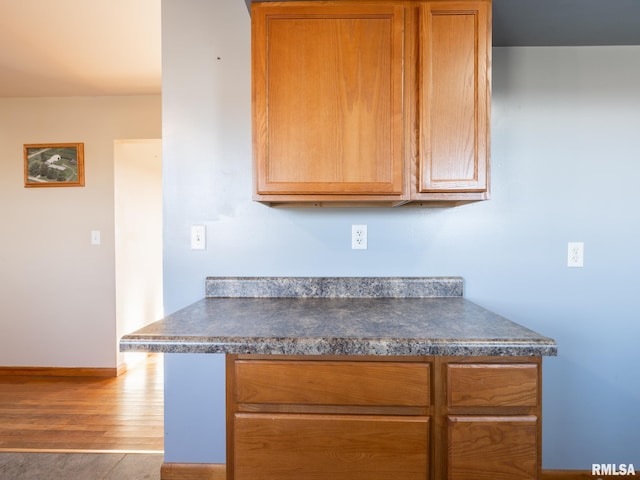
[(492, 448), (336, 447), (376, 417)]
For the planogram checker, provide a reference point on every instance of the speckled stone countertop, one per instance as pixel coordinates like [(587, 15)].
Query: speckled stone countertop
[(337, 316)]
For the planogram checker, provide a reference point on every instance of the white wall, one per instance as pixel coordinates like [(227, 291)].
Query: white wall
[(57, 290), (565, 158), (138, 236)]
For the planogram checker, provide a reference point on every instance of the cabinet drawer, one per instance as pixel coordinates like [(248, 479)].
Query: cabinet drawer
[(487, 385), (320, 447), (332, 383), (493, 447)]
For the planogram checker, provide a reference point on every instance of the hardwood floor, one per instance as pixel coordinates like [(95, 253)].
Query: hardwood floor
[(82, 414)]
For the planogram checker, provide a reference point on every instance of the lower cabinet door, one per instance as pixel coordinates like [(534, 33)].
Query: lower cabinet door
[(492, 448), (330, 447)]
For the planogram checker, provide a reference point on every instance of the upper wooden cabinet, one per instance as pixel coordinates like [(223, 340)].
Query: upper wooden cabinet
[(328, 100), (370, 102), (452, 100)]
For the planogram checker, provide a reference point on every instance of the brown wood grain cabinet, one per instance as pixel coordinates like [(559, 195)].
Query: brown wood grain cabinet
[(340, 447), (493, 422), (349, 417), (499, 448), (452, 100), (328, 100), (371, 102)]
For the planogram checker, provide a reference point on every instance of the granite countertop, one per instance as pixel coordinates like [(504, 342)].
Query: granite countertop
[(337, 316)]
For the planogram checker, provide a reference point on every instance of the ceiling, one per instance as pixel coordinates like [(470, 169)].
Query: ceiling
[(566, 22), (79, 47), (563, 22), (113, 47)]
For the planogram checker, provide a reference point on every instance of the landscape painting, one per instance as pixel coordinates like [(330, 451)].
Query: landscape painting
[(54, 165)]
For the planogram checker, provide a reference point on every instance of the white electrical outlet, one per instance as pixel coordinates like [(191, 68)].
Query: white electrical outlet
[(359, 237), (198, 237), (575, 254)]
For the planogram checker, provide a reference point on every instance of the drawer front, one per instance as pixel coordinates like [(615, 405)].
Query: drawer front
[(487, 385), (332, 383), (321, 447)]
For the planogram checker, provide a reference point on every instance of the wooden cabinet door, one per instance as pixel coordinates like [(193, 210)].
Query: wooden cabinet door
[(336, 447), (492, 448), (328, 98), (453, 105)]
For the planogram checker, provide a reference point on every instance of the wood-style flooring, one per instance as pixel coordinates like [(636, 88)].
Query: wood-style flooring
[(80, 466), (83, 414)]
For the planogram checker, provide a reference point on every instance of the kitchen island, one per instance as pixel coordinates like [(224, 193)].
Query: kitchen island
[(372, 378)]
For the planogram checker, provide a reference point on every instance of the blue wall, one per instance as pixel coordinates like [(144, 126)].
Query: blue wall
[(565, 161)]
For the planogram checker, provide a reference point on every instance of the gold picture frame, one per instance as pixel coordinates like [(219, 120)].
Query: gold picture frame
[(54, 165)]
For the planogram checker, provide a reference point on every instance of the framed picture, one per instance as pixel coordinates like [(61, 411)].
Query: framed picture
[(54, 165)]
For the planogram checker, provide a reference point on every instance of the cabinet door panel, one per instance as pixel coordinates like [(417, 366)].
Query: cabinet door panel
[(454, 101), (328, 101), (492, 448), (321, 447)]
